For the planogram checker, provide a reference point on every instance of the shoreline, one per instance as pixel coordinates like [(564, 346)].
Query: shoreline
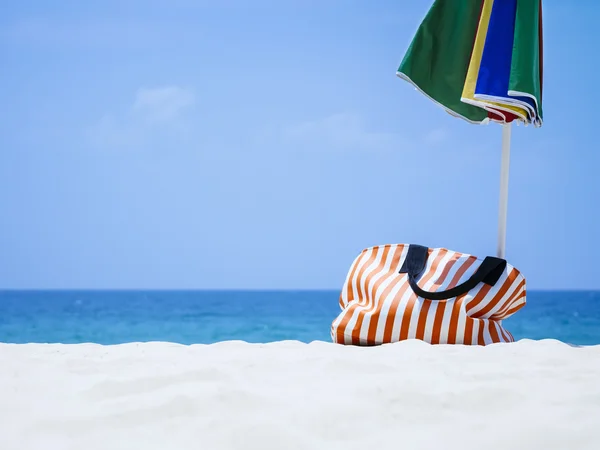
[(295, 342)]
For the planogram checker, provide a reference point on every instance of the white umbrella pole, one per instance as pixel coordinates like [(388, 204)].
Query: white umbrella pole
[(503, 208)]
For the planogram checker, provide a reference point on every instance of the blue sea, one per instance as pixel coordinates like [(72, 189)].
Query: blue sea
[(188, 317)]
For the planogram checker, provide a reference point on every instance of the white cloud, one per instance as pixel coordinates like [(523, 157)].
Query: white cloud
[(341, 131), (162, 104), (153, 113), (436, 136)]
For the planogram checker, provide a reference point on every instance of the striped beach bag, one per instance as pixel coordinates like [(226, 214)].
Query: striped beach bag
[(398, 292)]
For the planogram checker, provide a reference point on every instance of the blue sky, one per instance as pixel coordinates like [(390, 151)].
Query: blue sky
[(237, 144)]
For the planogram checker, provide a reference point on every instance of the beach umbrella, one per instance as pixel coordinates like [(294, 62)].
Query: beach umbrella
[(482, 61)]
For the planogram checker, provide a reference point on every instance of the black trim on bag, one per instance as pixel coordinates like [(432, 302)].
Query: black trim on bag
[(489, 272)]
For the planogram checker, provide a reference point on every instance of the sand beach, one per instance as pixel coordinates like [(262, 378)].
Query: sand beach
[(290, 395)]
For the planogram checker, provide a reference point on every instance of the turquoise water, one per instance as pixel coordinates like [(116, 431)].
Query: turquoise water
[(112, 317)]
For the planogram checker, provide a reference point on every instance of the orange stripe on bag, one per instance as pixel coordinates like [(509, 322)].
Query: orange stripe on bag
[(517, 295), (427, 303), (510, 281), (356, 286), (368, 298), (349, 293), (456, 307), (376, 310)]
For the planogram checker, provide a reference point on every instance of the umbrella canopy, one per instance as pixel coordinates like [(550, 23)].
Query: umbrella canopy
[(482, 61)]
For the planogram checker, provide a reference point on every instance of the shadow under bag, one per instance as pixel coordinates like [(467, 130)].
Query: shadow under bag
[(398, 292)]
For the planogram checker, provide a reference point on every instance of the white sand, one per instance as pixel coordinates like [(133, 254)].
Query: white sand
[(288, 395)]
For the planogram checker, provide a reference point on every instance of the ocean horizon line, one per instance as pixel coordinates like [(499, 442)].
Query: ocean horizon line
[(241, 290)]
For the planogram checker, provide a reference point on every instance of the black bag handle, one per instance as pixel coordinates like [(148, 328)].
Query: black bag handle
[(489, 272)]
